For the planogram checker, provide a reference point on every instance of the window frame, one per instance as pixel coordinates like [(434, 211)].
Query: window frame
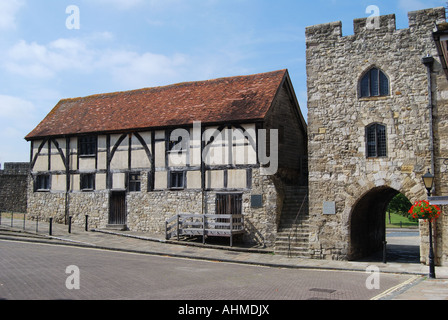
[(87, 146), (382, 84), (379, 141), (181, 176), (88, 178), (46, 183), (136, 184)]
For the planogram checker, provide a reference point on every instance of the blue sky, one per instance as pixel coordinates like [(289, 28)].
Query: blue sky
[(131, 44)]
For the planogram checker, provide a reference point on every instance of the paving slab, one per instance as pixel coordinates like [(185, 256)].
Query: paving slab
[(155, 244)]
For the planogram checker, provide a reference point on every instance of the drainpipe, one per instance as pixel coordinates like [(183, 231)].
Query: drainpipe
[(428, 61)]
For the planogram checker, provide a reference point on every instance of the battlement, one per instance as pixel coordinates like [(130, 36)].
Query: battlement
[(383, 24), (16, 168)]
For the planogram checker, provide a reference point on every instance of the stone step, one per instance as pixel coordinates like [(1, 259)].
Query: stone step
[(116, 227), (292, 223), (294, 237), (285, 245), (292, 231), (299, 235), (293, 234), (294, 247), (296, 254), (294, 208), (294, 217)]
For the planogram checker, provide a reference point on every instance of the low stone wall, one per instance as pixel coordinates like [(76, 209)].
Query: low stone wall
[(13, 187), (148, 211)]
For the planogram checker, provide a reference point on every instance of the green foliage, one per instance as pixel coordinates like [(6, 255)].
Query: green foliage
[(398, 210), (400, 205)]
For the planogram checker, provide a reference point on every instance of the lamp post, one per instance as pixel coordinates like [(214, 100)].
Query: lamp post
[(428, 181)]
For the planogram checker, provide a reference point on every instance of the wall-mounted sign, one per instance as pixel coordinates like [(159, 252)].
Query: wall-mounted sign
[(329, 207)]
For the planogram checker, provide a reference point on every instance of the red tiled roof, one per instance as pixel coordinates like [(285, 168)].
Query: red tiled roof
[(214, 101)]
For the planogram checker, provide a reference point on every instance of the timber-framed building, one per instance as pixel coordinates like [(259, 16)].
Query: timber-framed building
[(113, 156)]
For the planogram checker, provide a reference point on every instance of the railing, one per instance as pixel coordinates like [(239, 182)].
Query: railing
[(213, 225), (35, 224), (294, 231)]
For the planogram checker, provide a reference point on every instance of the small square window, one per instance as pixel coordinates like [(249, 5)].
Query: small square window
[(177, 180), (88, 182), (42, 182), (88, 146), (135, 183)]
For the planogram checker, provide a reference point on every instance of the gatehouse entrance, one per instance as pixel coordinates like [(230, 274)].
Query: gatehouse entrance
[(368, 233)]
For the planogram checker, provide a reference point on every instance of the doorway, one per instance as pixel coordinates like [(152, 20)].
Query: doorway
[(369, 237), (402, 232), (117, 212)]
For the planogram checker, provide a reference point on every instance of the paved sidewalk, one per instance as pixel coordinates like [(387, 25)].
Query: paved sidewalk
[(420, 289)]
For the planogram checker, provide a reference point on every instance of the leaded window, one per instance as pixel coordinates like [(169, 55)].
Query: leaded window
[(177, 180), (374, 84), (87, 182), (42, 182), (87, 146), (135, 183), (376, 141)]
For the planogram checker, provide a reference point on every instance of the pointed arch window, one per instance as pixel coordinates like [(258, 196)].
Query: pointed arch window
[(376, 141), (374, 83)]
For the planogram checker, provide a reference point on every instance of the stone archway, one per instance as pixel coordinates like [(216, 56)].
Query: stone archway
[(367, 222)]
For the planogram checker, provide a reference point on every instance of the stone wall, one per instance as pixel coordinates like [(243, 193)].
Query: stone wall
[(13, 187), (148, 211), (285, 116), (340, 171)]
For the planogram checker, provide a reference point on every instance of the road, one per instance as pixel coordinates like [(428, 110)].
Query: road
[(37, 271)]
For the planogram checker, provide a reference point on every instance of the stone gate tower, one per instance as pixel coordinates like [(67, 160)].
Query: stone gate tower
[(372, 123)]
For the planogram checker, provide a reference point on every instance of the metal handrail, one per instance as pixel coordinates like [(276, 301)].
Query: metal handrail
[(295, 224)]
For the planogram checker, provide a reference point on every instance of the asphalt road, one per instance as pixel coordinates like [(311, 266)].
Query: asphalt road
[(39, 272)]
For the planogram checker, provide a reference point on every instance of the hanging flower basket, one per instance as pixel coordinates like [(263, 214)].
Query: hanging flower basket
[(423, 210)]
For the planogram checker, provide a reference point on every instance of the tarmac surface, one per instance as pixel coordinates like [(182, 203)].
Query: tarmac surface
[(419, 288)]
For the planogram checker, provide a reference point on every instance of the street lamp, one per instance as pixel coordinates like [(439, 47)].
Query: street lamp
[(428, 181)]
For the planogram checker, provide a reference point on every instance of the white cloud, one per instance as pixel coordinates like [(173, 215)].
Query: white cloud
[(17, 118), (135, 70), (33, 60), (120, 4), (81, 56), (13, 108), (8, 12)]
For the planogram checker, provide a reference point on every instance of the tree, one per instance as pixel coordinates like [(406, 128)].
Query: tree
[(400, 205)]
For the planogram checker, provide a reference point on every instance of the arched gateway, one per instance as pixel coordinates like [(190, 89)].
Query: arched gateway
[(367, 222), (377, 114)]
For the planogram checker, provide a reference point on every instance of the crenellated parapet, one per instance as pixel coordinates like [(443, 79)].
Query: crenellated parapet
[(382, 24), (369, 128)]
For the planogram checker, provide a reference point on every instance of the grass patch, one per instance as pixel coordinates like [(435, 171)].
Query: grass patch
[(398, 221)]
